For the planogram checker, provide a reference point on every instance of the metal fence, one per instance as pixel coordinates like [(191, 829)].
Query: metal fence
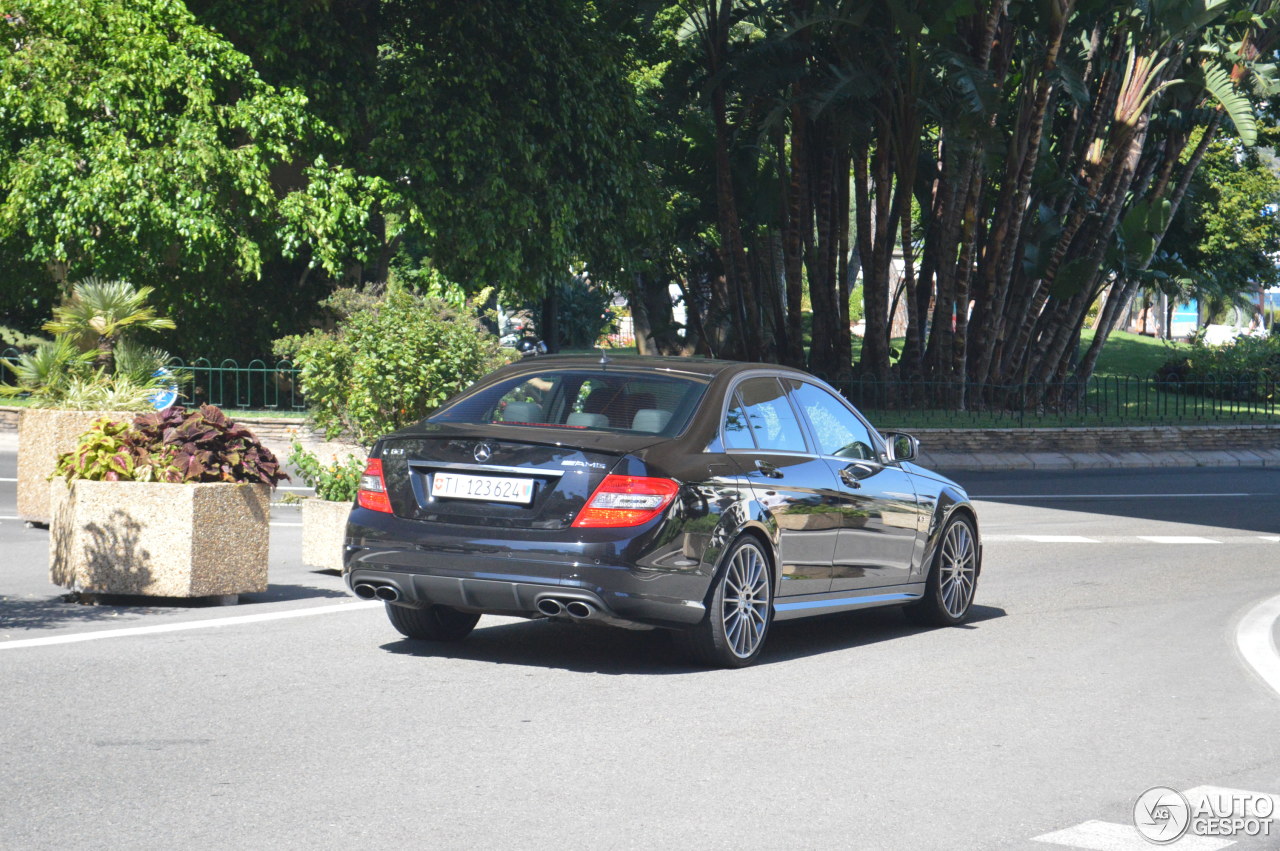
[(256, 386), (1107, 400), (260, 385)]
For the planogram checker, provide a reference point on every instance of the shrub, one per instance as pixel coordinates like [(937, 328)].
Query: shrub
[(390, 363), (174, 445), (1245, 370), (92, 364), (336, 482)]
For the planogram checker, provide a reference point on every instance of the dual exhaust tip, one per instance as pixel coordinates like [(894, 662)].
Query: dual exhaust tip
[(549, 606), (367, 591), (576, 609)]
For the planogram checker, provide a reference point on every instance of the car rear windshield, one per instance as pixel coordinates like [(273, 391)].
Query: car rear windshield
[(604, 400)]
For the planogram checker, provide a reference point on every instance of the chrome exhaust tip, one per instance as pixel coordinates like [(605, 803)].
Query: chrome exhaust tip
[(549, 607), (580, 610), (387, 592), (365, 591)]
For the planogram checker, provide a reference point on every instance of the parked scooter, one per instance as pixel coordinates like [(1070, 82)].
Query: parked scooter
[(518, 333)]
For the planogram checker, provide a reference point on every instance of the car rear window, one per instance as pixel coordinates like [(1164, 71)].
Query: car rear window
[(604, 400)]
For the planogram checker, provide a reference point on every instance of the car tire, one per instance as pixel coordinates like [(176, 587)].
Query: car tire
[(733, 632), (953, 577), (434, 623)]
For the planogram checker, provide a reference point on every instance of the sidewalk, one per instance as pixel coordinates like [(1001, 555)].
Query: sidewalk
[(1016, 460)]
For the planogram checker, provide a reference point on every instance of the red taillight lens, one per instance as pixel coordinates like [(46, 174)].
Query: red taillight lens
[(627, 501), (373, 489)]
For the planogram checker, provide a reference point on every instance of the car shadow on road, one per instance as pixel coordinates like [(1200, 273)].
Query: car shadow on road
[(586, 648)]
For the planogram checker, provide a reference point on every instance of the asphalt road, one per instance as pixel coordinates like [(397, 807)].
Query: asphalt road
[(1101, 661)]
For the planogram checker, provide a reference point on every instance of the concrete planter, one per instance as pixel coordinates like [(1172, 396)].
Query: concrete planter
[(159, 540), (43, 434), (324, 525)]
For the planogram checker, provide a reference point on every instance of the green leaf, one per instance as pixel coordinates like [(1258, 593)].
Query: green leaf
[(1238, 107)]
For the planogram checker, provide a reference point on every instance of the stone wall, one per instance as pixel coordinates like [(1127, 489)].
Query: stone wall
[(1186, 438), (276, 432)]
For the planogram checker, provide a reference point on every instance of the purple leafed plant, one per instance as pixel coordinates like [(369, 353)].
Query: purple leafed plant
[(209, 446), (173, 445)]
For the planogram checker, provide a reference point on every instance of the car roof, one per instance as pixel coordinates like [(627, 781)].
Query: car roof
[(706, 367)]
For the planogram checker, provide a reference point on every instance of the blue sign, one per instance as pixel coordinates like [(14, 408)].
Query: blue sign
[(166, 396)]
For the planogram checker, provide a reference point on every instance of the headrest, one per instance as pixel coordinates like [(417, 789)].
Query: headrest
[(522, 412), (651, 419), (588, 420)]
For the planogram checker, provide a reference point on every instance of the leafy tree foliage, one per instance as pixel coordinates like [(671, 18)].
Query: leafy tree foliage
[(247, 156)]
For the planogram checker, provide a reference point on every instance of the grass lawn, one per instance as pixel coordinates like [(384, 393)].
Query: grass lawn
[(1131, 355)]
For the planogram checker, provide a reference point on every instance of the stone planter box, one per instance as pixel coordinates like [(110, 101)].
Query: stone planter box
[(158, 539), (43, 434), (324, 527)]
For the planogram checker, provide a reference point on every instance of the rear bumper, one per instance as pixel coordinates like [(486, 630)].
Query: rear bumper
[(508, 578)]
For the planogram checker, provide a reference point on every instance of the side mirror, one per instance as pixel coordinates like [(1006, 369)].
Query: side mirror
[(901, 447)]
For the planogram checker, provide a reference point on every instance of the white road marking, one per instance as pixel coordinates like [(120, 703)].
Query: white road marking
[(286, 524), (187, 625), (1108, 836), (1255, 639), (1274, 539), (981, 497), (7, 480), (1251, 540)]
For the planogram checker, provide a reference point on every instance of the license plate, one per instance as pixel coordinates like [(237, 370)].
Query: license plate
[(487, 488)]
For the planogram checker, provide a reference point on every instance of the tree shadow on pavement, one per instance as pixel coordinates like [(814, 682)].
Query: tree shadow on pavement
[(68, 610), (586, 648), (58, 612), (1244, 499)]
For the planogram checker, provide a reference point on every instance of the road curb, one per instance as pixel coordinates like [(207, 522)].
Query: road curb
[(1256, 641)]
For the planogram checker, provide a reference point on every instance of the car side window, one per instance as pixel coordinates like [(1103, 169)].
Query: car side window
[(737, 434), (773, 423), (838, 431)]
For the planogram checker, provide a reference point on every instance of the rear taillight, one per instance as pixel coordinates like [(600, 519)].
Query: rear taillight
[(373, 489), (627, 501)]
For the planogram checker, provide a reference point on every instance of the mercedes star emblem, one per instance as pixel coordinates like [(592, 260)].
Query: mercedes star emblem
[(482, 452)]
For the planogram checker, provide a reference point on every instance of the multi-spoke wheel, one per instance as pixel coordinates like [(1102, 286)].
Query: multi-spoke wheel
[(953, 578), (741, 610)]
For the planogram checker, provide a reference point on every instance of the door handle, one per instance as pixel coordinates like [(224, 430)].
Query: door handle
[(768, 469), (853, 474), (850, 479)]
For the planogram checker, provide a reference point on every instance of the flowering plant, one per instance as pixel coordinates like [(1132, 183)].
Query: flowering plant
[(337, 481)]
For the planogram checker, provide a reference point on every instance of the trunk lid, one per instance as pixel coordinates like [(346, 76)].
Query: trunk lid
[(498, 476)]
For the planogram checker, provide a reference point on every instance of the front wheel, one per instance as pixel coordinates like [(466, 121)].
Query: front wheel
[(737, 622), (434, 623), (948, 593)]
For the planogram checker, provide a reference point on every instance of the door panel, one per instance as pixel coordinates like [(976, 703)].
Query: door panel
[(879, 518), (877, 541), (799, 492), (797, 489)]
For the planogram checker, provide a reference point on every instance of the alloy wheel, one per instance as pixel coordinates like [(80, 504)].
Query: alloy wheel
[(745, 610), (957, 569)]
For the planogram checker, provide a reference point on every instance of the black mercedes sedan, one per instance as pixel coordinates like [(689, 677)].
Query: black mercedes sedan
[(703, 496)]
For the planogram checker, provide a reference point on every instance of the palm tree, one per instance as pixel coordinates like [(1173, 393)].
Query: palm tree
[(100, 311)]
